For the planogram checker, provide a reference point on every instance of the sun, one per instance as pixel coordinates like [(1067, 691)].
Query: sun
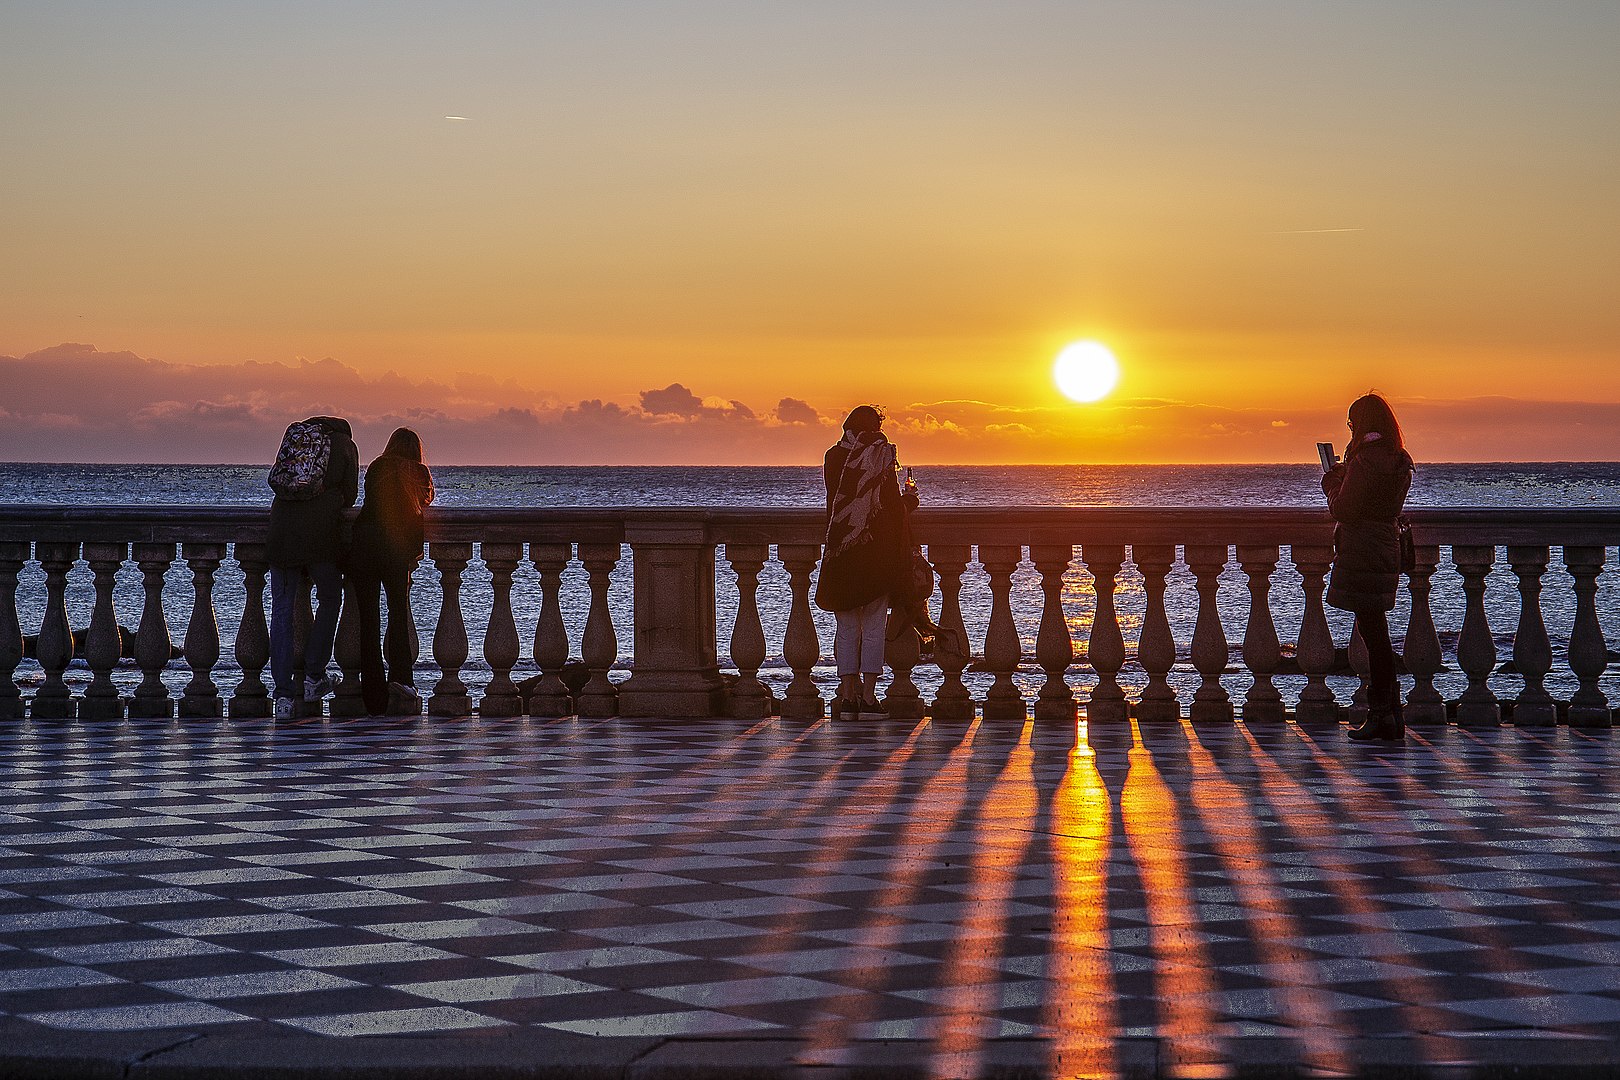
[(1085, 371)]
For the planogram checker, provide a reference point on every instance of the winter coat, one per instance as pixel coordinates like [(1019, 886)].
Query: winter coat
[(1365, 495), (389, 530), (854, 578), (308, 531)]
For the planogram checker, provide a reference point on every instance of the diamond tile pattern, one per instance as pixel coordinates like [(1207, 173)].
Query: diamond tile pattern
[(945, 881)]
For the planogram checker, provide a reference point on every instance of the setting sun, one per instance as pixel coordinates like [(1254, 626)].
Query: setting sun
[(1085, 371)]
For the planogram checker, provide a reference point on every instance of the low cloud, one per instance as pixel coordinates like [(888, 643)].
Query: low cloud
[(793, 411)]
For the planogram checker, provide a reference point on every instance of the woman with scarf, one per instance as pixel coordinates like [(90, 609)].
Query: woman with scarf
[(387, 546), (1365, 495), (865, 553)]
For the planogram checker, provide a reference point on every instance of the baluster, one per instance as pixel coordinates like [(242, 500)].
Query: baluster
[(450, 636), (1476, 651), (1209, 650), (749, 698), (1261, 652), (1421, 652), (501, 697), (800, 646), (101, 643), (13, 555), (1532, 653), (152, 645), (1315, 648), (550, 694), (1156, 649), (348, 699), (1054, 647), (1002, 649), (599, 647), (201, 697), (1105, 646), (1588, 652), (252, 697), (901, 651), (953, 702), (53, 700)]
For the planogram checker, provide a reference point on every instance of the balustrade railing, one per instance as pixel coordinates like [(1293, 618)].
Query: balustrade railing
[(1055, 613)]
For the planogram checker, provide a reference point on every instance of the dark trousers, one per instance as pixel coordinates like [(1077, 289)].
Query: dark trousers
[(286, 582), (372, 581), (1382, 689)]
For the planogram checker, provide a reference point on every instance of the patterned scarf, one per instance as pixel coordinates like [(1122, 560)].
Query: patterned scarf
[(871, 464)]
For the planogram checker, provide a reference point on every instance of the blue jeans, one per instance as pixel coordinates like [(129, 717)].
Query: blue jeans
[(286, 584)]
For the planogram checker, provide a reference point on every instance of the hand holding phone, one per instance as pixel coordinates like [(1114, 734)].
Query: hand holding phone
[(1324, 451)]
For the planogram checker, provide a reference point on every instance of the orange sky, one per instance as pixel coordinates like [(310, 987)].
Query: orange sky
[(1265, 208)]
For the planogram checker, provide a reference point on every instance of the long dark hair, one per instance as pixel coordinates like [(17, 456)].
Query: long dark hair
[(404, 443), (1371, 413)]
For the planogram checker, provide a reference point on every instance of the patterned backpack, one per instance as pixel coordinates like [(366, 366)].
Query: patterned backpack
[(300, 469)]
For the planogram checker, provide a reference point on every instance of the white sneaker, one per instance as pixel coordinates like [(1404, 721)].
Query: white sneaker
[(283, 708), (315, 689)]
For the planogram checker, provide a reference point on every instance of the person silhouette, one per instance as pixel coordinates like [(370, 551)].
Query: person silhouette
[(387, 545), (865, 554), (1365, 494)]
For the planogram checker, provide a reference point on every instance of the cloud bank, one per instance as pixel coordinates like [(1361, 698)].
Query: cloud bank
[(76, 403)]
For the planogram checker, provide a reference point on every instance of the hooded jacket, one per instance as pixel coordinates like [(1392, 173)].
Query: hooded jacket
[(1365, 496), (310, 531)]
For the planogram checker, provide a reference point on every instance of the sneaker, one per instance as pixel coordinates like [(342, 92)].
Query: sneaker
[(283, 708), (315, 689), (403, 700), (871, 710)]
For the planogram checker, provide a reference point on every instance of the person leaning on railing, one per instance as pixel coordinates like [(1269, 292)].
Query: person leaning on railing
[(1365, 494)]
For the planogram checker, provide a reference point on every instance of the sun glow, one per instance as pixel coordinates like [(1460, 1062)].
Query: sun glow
[(1085, 371)]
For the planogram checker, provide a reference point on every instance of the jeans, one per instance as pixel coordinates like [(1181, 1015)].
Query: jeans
[(858, 645), (371, 581), (287, 583)]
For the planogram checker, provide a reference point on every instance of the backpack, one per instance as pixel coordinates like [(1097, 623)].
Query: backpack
[(300, 469)]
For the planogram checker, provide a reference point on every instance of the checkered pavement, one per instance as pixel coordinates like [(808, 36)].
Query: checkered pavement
[(952, 882)]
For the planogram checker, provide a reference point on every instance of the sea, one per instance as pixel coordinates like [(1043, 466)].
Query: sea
[(1497, 486)]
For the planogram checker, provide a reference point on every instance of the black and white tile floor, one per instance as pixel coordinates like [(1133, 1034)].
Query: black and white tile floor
[(950, 882)]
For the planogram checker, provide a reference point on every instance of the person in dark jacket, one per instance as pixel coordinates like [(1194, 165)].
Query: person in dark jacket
[(865, 553), (1365, 494), (306, 545), (387, 546)]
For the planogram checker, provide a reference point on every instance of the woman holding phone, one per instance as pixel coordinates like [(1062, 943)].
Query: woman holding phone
[(1365, 494)]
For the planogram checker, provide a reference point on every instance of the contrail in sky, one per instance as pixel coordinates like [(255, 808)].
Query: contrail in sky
[(1299, 232)]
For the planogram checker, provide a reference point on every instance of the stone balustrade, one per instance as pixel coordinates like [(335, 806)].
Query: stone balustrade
[(675, 669)]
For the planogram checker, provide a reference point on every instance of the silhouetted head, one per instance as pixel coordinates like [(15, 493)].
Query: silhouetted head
[(1371, 413), (863, 418), (404, 443)]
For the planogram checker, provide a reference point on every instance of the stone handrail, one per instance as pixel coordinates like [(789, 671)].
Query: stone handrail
[(676, 672)]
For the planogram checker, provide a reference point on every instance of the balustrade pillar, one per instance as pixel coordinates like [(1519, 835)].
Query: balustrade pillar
[(677, 668), (1105, 647), (1476, 650), (102, 646), (901, 652), (1421, 652), (348, 649), (1054, 647), (1532, 652), (1588, 652), (1261, 650), (1002, 649), (800, 646), (951, 650), (201, 697), (749, 699), (1315, 646), (600, 645), (53, 700), (152, 645), (252, 697), (1209, 650), (501, 696), (1156, 647), (13, 555), (550, 694), (450, 635)]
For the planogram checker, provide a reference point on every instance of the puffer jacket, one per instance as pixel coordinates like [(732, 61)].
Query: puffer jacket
[(1365, 496)]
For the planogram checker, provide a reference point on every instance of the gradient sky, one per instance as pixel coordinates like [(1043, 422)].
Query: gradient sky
[(699, 231)]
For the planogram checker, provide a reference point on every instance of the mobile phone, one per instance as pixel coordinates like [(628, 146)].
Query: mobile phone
[(1324, 451)]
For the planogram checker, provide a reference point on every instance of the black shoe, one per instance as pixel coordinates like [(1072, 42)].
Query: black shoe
[(845, 708), (1382, 724)]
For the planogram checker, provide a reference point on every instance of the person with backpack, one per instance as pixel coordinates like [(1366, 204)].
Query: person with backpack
[(315, 478), (387, 545)]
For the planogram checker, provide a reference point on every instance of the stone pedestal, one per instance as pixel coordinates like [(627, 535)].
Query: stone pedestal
[(677, 669)]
